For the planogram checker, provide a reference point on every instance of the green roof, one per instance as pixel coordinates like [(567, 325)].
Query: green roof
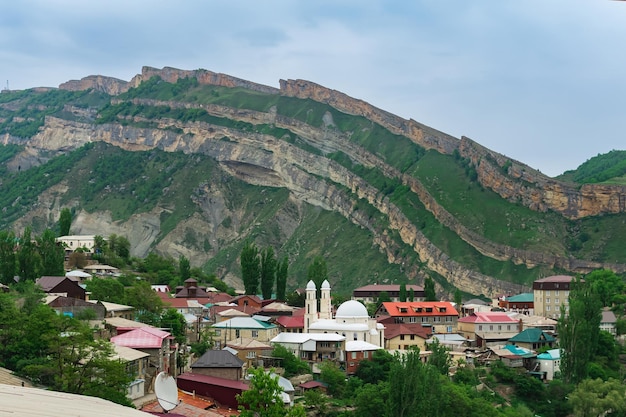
[(532, 335), (526, 297)]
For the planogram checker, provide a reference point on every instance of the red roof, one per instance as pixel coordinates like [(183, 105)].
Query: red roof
[(488, 317), (291, 322), (312, 384), (420, 308), (396, 329), (213, 380), (142, 337)]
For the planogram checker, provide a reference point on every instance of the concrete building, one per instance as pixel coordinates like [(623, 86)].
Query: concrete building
[(550, 294)]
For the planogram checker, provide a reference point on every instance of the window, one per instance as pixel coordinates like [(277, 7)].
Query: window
[(217, 332), (449, 329), (251, 355), (255, 333), (480, 327), (412, 337), (491, 327), (556, 292), (437, 319), (237, 333), (499, 327), (508, 327), (353, 355), (547, 301), (547, 308), (548, 292), (366, 354), (412, 319), (556, 301), (448, 319), (401, 337)]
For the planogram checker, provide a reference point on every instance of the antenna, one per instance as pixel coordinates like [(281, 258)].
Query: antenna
[(166, 391)]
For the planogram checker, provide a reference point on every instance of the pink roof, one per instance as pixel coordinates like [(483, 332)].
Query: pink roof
[(556, 278), (488, 317), (213, 380), (142, 337)]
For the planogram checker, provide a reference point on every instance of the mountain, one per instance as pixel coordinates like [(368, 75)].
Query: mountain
[(194, 163)]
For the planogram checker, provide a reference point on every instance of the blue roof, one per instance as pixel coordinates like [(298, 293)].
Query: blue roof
[(551, 355), (519, 351)]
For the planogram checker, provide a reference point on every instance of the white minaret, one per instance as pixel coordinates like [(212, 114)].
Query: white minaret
[(326, 311), (310, 304)]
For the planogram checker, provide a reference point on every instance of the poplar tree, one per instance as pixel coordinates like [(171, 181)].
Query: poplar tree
[(65, 221), (402, 294), (267, 272), (250, 269), (281, 278), (429, 290)]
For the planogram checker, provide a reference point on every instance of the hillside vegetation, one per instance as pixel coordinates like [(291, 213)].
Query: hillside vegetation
[(196, 169)]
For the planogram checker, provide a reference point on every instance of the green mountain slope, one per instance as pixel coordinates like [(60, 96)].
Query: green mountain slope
[(196, 167)]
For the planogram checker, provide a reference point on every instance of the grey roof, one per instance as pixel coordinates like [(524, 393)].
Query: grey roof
[(218, 359)]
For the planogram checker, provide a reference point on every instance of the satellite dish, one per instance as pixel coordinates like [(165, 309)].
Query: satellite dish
[(166, 391)]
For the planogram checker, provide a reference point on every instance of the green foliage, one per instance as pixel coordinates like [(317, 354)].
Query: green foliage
[(402, 296), (52, 255), (106, 289), (184, 269), (250, 267), (334, 377), (608, 167), (175, 322), (65, 221), (579, 330), (439, 358), (375, 370), (318, 273), (595, 397), (429, 290), (282, 271), (291, 364), (267, 272), (264, 397)]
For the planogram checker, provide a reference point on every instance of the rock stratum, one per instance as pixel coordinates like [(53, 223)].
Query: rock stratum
[(313, 178)]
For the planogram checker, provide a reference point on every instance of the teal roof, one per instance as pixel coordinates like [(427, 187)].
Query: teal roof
[(526, 297), (532, 335), (552, 354), (519, 351)]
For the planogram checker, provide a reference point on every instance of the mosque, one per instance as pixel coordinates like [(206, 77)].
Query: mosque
[(351, 318)]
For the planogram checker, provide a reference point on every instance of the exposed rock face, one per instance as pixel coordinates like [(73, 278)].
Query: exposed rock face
[(109, 85), (538, 192)]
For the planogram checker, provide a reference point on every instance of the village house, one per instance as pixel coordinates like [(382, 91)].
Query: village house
[(548, 364), (520, 303), (76, 307), (403, 336), (313, 347), (244, 327), (550, 294), (489, 328), (440, 316), (73, 242), (64, 286), (219, 363), (533, 338), (357, 351), (136, 363), (608, 322), (250, 351), (157, 343)]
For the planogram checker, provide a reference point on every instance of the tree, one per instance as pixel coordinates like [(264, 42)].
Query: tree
[(606, 284), (173, 320), (334, 377), (579, 331), (65, 221), (28, 259), (267, 272), (8, 261), (595, 397), (263, 398), (458, 297), (371, 399), (250, 268), (52, 255), (108, 290), (383, 297), (439, 357), (429, 290), (376, 369), (317, 272), (282, 270), (184, 268), (402, 294), (411, 294), (147, 303), (415, 389), (77, 259), (291, 363)]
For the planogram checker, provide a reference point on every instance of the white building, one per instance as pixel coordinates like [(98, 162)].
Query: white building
[(73, 242), (351, 319)]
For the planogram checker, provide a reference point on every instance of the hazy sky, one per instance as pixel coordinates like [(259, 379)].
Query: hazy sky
[(541, 81)]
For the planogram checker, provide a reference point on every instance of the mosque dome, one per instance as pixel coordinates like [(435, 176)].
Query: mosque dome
[(351, 309), (310, 285)]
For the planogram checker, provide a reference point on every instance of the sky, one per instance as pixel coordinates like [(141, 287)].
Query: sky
[(539, 81)]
